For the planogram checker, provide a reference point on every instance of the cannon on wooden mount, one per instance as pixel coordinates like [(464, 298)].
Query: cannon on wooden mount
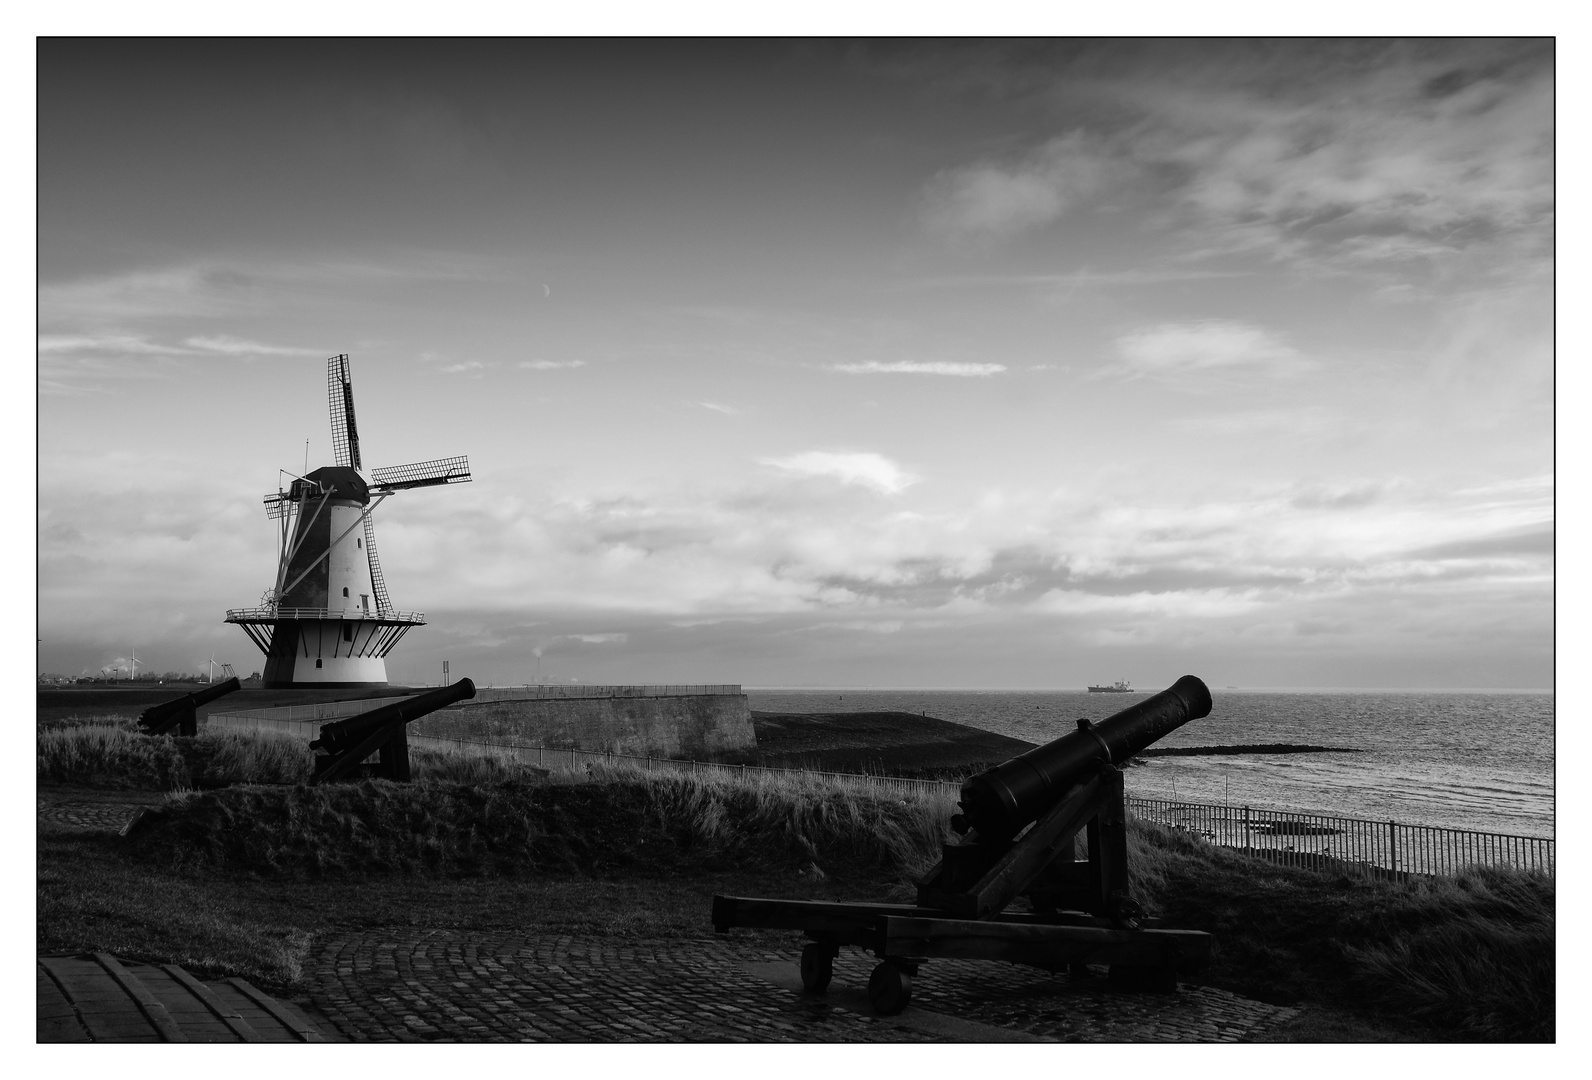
[(1019, 826), (183, 713), (348, 742)]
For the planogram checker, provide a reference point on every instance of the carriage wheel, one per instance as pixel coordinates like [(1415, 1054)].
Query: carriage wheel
[(818, 967), (889, 989)]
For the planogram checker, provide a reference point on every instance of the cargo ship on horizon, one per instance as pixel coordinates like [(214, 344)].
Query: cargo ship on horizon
[(1119, 687)]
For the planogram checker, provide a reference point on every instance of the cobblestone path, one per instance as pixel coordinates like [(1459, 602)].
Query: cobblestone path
[(415, 985), (409, 985), (86, 816)]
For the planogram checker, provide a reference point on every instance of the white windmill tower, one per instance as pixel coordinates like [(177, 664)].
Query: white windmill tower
[(327, 622)]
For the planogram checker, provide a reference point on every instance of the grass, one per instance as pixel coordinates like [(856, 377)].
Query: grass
[(1471, 956), (112, 752), (242, 879), (109, 755), (91, 898), (607, 820), (1477, 949)]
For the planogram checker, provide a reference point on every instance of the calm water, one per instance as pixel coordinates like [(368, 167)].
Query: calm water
[(1481, 761)]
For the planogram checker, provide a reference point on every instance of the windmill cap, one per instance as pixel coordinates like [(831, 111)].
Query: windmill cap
[(344, 482)]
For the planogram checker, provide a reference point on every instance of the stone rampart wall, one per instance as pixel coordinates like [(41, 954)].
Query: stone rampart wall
[(686, 726)]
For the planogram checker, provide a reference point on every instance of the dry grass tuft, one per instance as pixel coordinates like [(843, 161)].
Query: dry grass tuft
[(109, 755), (608, 820), (1471, 956), (1476, 951)]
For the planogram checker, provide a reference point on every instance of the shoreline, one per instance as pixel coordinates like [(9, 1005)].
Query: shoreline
[(913, 743)]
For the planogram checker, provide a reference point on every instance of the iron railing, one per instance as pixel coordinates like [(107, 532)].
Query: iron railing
[(1349, 845), (271, 614)]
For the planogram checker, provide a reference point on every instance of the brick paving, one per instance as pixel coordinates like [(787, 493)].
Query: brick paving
[(408, 985)]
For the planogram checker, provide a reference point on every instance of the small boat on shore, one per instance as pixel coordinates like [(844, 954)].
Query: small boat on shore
[(1119, 687)]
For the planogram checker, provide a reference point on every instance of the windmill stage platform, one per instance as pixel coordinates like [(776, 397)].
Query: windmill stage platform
[(693, 720)]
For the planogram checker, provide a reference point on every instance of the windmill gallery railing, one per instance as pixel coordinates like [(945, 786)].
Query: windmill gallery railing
[(271, 614)]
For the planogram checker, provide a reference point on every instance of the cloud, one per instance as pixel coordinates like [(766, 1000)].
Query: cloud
[(1353, 156), (231, 346), (550, 365), (1533, 541), (920, 367), (64, 358), (462, 367), (1365, 157), (601, 639), (725, 409), (1408, 565), (991, 199), (863, 469), (52, 344), (184, 291), (1173, 350)]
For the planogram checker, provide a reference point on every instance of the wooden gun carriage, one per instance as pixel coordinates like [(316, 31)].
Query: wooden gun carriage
[(1019, 826), (183, 713), (344, 744)]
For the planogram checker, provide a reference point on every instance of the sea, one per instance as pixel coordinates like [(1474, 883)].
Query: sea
[(1482, 761)]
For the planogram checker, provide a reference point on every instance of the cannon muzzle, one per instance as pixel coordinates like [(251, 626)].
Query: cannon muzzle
[(154, 719), (341, 735), (1000, 802)]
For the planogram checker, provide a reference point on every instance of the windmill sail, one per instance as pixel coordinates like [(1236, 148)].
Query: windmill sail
[(450, 470), (323, 604), (377, 582), (340, 392)]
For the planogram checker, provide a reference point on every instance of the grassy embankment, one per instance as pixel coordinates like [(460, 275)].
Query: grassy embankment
[(241, 879)]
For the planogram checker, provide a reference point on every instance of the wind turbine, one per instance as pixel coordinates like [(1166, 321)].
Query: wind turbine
[(212, 663)]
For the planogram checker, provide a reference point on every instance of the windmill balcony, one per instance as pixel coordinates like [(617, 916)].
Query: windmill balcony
[(386, 616)]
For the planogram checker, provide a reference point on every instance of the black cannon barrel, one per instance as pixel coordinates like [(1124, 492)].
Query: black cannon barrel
[(342, 735), (166, 709), (1002, 800)]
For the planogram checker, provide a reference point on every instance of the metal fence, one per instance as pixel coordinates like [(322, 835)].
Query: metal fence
[(1349, 845)]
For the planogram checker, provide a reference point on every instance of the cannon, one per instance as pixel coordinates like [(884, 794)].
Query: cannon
[(183, 713), (1018, 831), (346, 743)]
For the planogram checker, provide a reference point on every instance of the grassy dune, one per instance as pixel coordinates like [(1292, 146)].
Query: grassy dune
[(239, 878), (1470, 956), (609, 820), (111, 752)]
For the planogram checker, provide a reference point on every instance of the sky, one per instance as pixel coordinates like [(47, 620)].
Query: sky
[(808, 363)]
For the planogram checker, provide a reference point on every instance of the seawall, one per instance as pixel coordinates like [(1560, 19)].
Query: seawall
[(658, 721)]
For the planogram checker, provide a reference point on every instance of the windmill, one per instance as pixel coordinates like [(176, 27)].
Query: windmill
[(212, 665), (328, 621)]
